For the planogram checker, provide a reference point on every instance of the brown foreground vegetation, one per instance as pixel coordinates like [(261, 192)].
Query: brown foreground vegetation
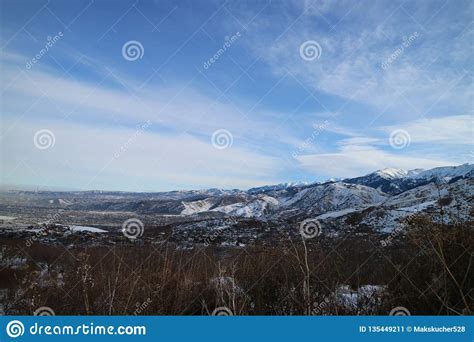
[(427, 269)]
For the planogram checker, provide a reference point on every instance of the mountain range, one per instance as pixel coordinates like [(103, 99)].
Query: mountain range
[(380, 199)]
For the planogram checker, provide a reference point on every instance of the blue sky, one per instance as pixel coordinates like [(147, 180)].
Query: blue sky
[(390, 85)]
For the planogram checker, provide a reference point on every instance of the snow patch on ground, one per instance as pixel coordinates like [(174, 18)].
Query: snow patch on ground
[(7, 218), (255, 208), (86, 229), (195, 207), (366, 296), (337, 213)]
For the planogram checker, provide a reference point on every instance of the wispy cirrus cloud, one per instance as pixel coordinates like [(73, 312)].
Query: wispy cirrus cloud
[(428, 67), (117, 98)]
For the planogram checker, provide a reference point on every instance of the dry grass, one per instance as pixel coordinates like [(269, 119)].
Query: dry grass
[(428, 271)]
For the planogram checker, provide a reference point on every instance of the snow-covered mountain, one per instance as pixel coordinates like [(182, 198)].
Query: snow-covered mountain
[(445, 173), (446, 201), (281, 186), (391, 181), (258, 207), (389, 189), (322, 198), (395, 181), (392, 173)]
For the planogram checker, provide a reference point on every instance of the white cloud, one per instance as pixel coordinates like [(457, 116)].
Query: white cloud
[(92, 120), (88, 157), (354, 50), (438, 131), (456, 129), (360, 154), (114, 99), (352, 161)]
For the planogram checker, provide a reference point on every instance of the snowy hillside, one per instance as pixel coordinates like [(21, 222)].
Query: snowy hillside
[(446, 173), (454, 200)]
